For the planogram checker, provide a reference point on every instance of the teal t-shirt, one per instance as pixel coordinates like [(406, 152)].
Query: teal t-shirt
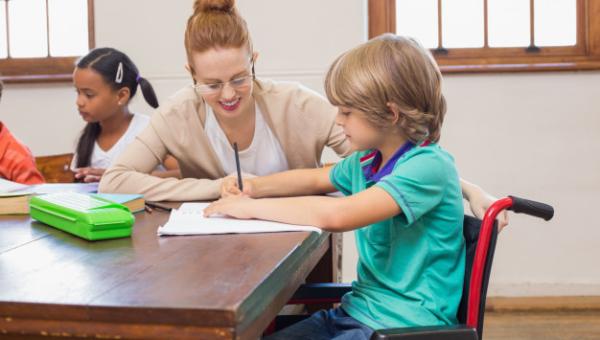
[(411, 266)]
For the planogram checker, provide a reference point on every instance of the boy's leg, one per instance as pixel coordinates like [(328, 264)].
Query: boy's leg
[(330, 324)]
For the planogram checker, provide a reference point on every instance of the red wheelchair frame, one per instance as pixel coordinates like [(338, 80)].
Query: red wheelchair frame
[(480, 239)]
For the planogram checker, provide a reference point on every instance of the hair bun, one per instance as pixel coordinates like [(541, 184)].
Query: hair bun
[(213, 6)]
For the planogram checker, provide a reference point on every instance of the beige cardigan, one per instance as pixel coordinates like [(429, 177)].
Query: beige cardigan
[(302, 121)]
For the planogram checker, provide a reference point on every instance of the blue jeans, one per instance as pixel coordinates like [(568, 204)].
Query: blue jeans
[(325, 324)]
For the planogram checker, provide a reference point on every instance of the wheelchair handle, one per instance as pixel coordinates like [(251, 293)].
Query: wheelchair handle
[(516, 204), (533, 208)]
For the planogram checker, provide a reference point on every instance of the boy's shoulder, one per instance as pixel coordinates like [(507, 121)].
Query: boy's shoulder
[(428, 162), (428, 153)]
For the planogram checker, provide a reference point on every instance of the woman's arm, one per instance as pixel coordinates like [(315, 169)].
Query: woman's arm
[(130, 174), (334, 214)]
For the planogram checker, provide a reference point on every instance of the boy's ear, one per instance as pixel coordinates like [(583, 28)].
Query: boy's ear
[(395, 109), (123, 95), (255, 55)]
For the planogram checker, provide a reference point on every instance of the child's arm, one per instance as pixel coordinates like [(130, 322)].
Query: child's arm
[(89, 174), (334, 214), (480, 201), (288, 183), (171, 168)]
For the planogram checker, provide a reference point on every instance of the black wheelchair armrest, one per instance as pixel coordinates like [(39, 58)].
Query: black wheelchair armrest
[(454, 332), (311, 293)]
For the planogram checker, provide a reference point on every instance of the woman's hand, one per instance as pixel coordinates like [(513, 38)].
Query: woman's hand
[(229, 187), (88, 174), (234, 206)]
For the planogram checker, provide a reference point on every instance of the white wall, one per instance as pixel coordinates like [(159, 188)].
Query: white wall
[(533, 135)]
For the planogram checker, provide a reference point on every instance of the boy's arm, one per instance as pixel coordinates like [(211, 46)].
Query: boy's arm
[(329, 213), (288, 183), (480, 201)]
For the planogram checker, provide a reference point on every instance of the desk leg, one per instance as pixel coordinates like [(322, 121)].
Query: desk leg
[(329, 268)]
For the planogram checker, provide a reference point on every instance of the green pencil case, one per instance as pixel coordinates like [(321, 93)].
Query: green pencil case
[(89, 217)]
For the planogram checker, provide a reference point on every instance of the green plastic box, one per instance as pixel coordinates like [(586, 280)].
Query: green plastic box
[(91, 218)]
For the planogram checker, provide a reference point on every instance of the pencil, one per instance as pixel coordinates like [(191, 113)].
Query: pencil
[(155, 205), (237, 164)]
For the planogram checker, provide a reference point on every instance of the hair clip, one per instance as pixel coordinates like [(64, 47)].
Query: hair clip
[(137, 78), (119, 76)]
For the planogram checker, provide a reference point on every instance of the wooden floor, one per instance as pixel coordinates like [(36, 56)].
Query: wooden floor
[(547, 325)]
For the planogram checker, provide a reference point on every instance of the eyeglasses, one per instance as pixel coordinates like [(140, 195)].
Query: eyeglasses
[(237, 83)]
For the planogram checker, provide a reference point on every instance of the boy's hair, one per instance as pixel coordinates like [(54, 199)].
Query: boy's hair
[(215, 23), (391, 69), (118, 71)]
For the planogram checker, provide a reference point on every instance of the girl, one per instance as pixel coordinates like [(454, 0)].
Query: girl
[(403, 196), (105, 80), (277, 126)]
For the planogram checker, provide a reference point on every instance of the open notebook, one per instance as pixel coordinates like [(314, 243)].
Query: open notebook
[(189, 220)]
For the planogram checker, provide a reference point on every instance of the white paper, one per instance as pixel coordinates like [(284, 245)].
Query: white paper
[(10, 188), (189, 220)]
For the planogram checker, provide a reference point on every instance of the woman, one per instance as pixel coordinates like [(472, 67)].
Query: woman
[(276, 125)]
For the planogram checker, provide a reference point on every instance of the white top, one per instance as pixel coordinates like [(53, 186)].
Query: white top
[(103, 159), (263, 157)]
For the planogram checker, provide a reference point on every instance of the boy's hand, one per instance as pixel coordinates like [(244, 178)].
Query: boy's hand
[(88, 174), (229, 187), (234, 206), (480, 202)]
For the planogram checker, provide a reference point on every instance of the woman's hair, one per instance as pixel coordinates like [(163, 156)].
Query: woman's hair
[(396, 70), (215, 23), (118, 71)]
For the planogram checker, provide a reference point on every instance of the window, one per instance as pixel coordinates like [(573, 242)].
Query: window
[(41, 39), (497, 35)]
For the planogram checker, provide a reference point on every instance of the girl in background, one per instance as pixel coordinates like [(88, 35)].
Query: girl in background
[(106, 80)]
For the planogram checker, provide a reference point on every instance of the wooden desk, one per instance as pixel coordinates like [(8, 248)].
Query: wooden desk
[(148, 287)]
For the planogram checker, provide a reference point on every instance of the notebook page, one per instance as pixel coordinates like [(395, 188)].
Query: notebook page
[(189, 220)]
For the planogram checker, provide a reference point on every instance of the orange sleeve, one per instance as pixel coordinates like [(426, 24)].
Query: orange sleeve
[(17, 163), (26, 172)]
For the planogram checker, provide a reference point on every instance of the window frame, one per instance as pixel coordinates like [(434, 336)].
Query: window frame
[(585, 55), (46, 69)]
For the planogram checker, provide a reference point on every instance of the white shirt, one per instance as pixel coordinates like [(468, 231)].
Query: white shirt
[(103, 159), (264, 156)]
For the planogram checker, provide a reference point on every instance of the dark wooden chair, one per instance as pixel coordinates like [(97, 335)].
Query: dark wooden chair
[(480, 241), (56, 168)]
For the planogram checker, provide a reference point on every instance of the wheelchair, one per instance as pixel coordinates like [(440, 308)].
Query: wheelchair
[(480, 242)]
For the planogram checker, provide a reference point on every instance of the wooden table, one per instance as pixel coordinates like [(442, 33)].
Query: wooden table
[(150, 287)]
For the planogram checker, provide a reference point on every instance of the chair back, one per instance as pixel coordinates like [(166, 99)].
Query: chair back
[(471, 228), (56, 168)]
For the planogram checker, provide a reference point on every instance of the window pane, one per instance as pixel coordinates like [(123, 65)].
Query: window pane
[(68, 27), (418, 19), (462, 23), (555, 22), (27, 27), (3, 47), (508, 22)]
